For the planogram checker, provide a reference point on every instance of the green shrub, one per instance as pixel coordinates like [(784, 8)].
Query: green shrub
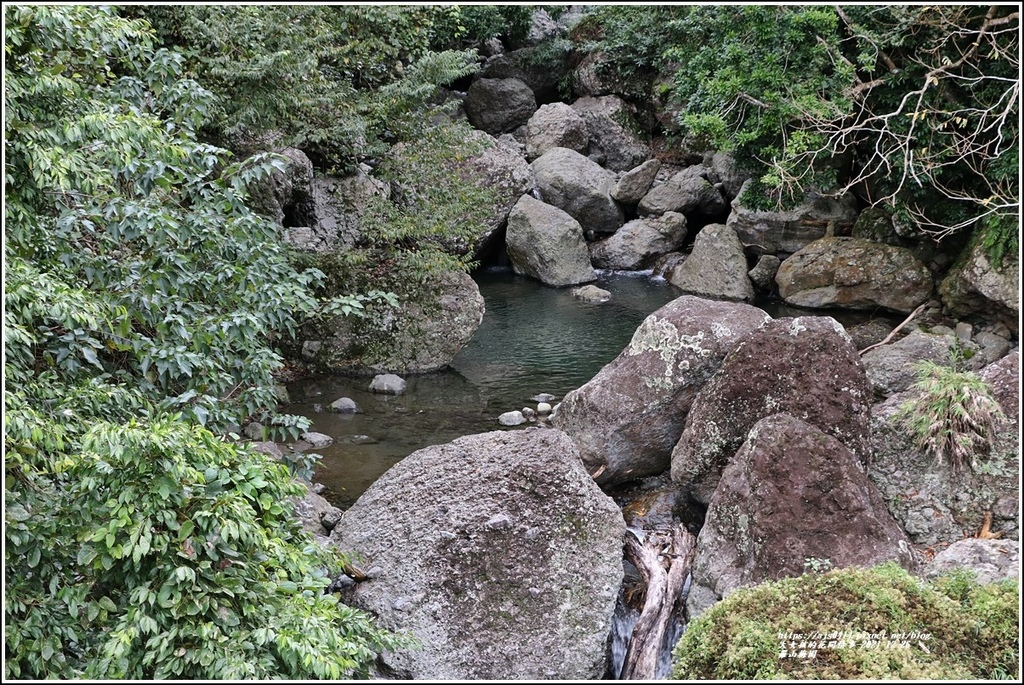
[(951, 629), (953, 417)]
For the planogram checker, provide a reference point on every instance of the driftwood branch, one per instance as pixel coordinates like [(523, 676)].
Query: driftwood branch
[(664, 568), (896, 330)]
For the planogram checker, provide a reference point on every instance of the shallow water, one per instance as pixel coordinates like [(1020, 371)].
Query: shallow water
[(533, 339)]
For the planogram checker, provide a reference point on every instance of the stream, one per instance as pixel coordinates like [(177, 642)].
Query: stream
[(533, 339)]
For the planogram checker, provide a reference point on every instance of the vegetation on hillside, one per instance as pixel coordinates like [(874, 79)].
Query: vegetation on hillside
[(915, 108)]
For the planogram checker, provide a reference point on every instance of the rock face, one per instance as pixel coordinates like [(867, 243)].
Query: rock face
[(791, 493), (612, 127), (545, 243), (285, 190), (635, 183), (990, 560), (419, 336), (638, 243), (627, 419), (854, 274), (716, 267), (522, 64), (763, 273), (806, 367), (329, 220), (555, 125), (499, 105), (775, 232), (497, 552), (931, 502), (687, 191), (973, 286), (579, 187), (890, 368)]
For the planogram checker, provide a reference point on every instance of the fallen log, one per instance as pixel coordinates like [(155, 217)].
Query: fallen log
[(663, 560)]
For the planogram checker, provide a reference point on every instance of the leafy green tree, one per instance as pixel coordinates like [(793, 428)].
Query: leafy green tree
[(340, 82), (142, 301)]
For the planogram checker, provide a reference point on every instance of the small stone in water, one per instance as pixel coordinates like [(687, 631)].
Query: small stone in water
[(529, 413), (543, 397), (512, 418), (543, 408), (344, 405)]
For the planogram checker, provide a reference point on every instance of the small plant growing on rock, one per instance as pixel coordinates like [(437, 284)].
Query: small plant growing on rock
[(953, 417), (817, 565)]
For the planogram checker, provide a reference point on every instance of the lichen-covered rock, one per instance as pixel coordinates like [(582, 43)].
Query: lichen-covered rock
[(613, 132), (716, 267), (422, 334), (635, 183), (932, 502), (545, 243), (851, 273), (690, 190), (580, 187), (555, 125), (285, 191), (497, 552), (990, 560), (791, 493), (786, 232), (499, 105), (638, 243), (806, 367), (975, 287), (627, 419)]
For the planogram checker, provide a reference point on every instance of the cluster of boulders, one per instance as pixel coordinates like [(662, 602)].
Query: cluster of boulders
[(502, 552)]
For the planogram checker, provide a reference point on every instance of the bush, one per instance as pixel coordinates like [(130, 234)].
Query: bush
[(953, 417), (950, 629)]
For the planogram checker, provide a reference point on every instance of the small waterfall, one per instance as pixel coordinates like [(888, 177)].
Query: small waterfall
[(623, 620)]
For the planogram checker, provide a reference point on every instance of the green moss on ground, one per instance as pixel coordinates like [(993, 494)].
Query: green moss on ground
[(951, 628)]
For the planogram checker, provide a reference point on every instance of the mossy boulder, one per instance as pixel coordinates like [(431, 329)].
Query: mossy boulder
[(857, 623)]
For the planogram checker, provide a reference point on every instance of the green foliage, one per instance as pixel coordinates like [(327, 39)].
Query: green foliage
[(952, 417), (142, 299), (914, 107), (331, 80), (474, 24), (971, 629)]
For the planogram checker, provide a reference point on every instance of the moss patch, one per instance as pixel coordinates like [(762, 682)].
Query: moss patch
[(855, 624)]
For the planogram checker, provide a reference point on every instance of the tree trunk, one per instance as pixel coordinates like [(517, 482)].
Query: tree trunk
[(664, 569)]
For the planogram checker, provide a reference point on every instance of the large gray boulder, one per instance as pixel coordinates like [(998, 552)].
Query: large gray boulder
[(690, 190), (540, 68), (638, 243), (555, 125), (792, 493), (545, 243), (785, 232), (627, 419), (422, 334), (499, 105), (716, 267), (614, 138), (635, 183), (851, 273), (974, 286), (580, 187), (497, 552), (805, 366), (934, 503)]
